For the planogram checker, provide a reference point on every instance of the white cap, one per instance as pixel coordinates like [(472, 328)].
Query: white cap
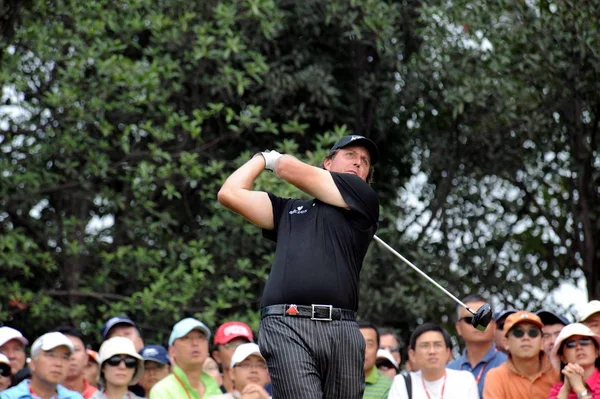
[(589, 309), (243, 351), (9, 333), (385, 354), (50, 341)]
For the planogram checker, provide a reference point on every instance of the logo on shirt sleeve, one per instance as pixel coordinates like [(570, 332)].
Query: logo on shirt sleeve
[(298, 211)]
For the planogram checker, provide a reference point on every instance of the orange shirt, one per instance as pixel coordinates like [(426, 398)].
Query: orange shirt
[(505, 382), (88, 390)]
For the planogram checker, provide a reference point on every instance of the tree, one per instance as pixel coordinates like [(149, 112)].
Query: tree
[(130, 115)]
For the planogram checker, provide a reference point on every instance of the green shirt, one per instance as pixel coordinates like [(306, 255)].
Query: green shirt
[(377, 385), (170, 388)]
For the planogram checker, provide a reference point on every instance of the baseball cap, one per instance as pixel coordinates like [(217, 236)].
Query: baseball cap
[(9, 333), (548, 317), (244, 351), (504, 314), (522, 316), (183, 327), (155, 353), (361, 141), (94, 355), (231, 330), (589, 309), (50, 341), (384, 356), (113, 322), (567, 332)]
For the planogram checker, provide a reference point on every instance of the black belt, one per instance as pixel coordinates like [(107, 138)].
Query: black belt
[(314, 312)]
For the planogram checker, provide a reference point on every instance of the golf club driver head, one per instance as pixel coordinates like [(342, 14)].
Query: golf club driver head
[(482, 317)]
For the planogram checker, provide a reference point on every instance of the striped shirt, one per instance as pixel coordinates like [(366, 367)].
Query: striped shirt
[(377, 385)]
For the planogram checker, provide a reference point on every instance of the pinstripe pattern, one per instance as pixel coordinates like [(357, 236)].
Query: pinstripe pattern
[(310, 359)]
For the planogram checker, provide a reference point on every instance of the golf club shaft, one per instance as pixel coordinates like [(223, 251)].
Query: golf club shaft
[(402, 258)]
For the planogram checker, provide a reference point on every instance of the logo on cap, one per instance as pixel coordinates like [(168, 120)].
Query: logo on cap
[(150, 352), (355, 138)]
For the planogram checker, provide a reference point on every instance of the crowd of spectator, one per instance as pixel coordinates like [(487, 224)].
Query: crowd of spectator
[(521, 354)]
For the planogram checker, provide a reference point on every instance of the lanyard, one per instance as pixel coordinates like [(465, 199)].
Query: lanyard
[(55, 396), (183, 386), (425, 388), (480, 374)]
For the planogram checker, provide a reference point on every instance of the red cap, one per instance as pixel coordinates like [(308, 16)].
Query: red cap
[(232, 329)]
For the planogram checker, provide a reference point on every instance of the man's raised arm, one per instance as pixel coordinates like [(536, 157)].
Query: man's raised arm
[(237, 194)]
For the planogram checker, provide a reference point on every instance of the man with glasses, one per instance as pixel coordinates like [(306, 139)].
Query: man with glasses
[(480, 354), (156, 366), (50, 357), (430, 349), (248, 374), (528, 372), (228, 337)]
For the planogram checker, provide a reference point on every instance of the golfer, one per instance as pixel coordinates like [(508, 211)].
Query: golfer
[(308, 333)]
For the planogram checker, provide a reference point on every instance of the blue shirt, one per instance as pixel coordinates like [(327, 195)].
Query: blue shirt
[(493, 358), (22, 391)]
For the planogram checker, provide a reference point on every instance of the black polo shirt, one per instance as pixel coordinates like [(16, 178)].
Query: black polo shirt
[(320, 247)]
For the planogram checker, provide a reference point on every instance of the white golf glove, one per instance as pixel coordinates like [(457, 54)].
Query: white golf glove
[(270, 158)]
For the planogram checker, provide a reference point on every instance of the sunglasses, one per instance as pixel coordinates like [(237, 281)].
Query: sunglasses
[(466, 319), (5, 370), (582, 341), (532, 332), (130, 362)]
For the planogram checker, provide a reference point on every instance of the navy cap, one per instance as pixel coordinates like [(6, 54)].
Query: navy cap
[(113, 322), (551, 318), (504, 314), (155, 353), (361, 141)]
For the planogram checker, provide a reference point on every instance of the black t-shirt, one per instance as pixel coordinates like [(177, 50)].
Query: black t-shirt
[(320, 247)]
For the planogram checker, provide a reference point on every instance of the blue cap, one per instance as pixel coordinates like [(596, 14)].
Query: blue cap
[(504, 314), (183, 327), (155, 353), (113, 322), (549, 318)]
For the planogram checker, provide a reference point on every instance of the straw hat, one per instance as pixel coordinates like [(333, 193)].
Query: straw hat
[(120, 346)]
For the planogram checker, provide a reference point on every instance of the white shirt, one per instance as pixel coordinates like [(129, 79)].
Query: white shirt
[(459, 385)]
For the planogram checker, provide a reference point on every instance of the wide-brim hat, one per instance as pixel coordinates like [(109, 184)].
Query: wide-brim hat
[(566, 333), (120, 346)]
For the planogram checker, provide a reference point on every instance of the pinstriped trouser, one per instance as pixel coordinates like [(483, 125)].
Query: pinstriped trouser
[(310, 359)]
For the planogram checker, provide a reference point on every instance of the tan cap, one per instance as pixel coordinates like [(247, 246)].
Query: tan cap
[(589, 309), (522, 316)]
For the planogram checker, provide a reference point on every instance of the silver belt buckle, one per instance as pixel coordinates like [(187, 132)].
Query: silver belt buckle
[(313, 306)]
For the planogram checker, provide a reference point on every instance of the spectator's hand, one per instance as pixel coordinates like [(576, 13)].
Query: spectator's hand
[(574, 377), (254, 391)]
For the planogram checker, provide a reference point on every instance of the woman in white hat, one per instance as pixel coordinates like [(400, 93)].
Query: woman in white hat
[(120, 367), (577, 351), (4, 372)]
